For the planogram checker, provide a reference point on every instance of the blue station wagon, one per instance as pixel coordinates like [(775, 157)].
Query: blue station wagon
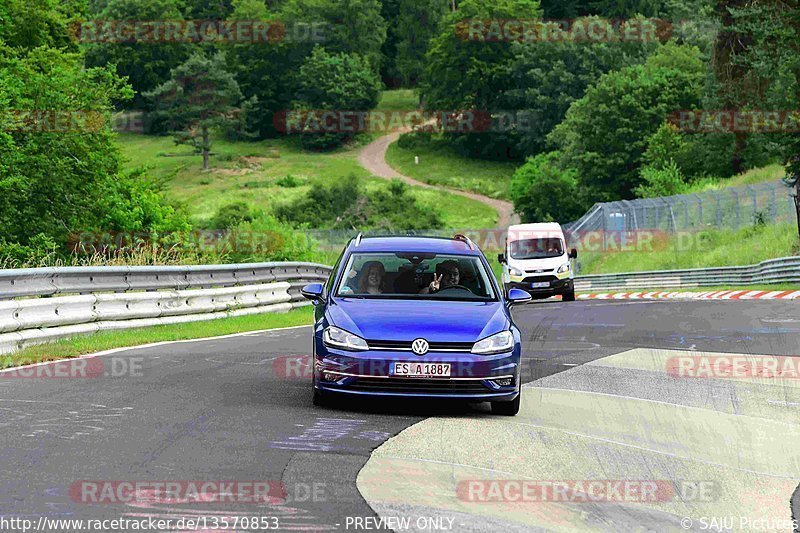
[(416, 317)]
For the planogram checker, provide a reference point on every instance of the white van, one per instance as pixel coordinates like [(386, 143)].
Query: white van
[(536, 260)]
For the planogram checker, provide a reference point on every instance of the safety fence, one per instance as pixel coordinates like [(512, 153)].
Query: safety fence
[(783, 270), (611, 225), (44, 304), (726, 208)]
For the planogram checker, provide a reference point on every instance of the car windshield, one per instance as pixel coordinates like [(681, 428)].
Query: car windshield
[(416, 276), (536, 248)]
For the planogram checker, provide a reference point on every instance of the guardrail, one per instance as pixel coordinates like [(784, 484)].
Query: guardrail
[(783, 270), (44, 304)]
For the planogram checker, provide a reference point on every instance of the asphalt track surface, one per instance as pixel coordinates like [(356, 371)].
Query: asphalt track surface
[(225, 409)]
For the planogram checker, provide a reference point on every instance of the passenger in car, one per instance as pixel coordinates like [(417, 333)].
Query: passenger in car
[(372, 279), (446, 275)]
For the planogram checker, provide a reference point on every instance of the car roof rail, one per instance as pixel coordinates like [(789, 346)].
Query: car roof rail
[(462, 237), (358, 238)]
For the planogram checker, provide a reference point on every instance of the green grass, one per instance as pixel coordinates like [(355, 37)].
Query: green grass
[(398, 100), (750, 177), (699, 250), (441, 165), (253, 172), (106, 340)]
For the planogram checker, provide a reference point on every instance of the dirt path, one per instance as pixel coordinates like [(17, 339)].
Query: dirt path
[(373, 158)]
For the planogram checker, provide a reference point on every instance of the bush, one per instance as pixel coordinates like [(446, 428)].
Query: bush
[(231, 215), (604, 134), (134, 203), (414, 139), (344, 82), (41, 250), (665, 181), (542, 191), (289, 182), (346, 204), (265, 238)]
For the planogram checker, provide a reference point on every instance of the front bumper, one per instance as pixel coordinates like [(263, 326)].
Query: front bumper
[(558, 286), (472, 377)]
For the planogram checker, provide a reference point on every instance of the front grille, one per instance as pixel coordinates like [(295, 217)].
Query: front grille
[(432, 346), (426, 386), (539, 279)]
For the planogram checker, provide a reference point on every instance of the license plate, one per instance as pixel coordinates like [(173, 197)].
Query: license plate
[(540, 285), (427, 370)]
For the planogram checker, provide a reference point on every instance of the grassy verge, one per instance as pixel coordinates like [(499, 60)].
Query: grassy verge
[(750, 177), (398, 100), (702, 249), (255, 173), (106, 340), (441, 165)]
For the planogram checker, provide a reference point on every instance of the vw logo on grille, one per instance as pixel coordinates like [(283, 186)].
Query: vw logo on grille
[(419, 346)]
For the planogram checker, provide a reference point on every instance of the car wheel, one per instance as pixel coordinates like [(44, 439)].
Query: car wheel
[(507, 408), (569, 296)]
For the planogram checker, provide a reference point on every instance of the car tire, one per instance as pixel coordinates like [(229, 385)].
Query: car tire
[(507, 408), (568, 296), (320, 398)]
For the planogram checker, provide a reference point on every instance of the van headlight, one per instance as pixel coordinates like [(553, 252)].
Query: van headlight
[(339, 338), (497, 343), (564, 268), (515, 271)]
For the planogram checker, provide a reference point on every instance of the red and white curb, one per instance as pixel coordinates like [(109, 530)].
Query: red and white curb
[(709, 295)]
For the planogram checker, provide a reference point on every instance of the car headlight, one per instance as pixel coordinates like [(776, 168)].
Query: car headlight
[(563, 268), (497, 343), (339, 338), (515, 271)]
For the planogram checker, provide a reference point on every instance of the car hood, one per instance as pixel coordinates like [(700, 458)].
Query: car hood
[(406, 320), (548, 263)]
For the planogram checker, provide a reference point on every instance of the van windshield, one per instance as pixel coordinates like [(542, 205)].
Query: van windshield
[(536, 248)]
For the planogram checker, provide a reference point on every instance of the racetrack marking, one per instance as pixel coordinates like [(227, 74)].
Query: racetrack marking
[(687, 295), (603, 433)]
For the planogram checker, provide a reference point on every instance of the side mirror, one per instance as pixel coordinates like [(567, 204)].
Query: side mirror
[(518, 296), (501, 258), (312, 291), (573, 254)]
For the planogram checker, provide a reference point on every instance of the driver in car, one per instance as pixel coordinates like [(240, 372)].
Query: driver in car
[(446, 275)]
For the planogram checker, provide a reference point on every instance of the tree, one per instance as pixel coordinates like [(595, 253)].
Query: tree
[(605, 133), (53, 174), (465, 70), (352, 26), (27, 25), (417, 23), (146, 65), (256, 67), (757, 64), (201, 97), (544, 78), (340, 82), (542, 191), (390, 12)]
